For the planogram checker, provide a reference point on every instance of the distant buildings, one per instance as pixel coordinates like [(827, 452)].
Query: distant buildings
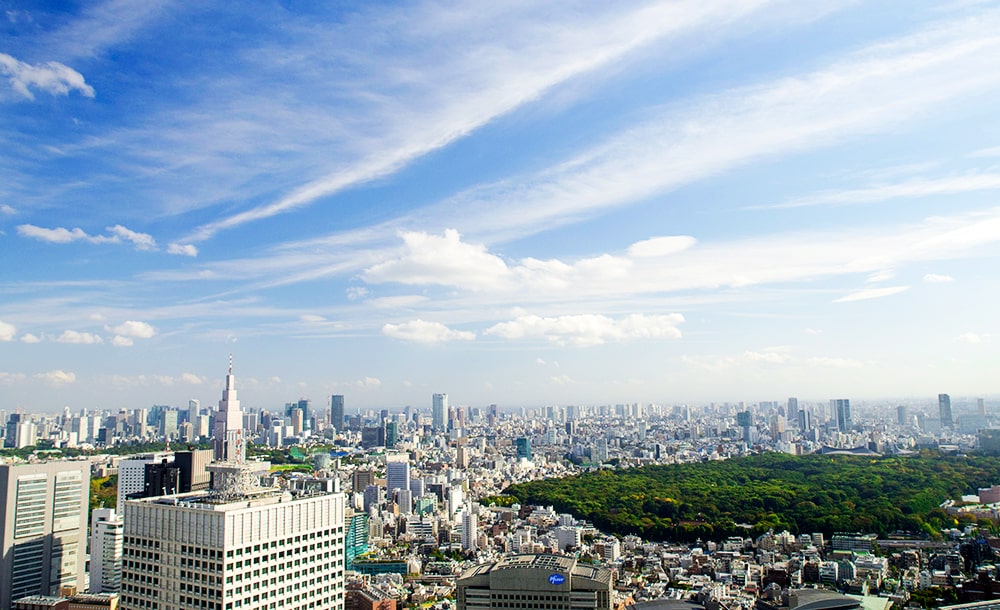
[(43, 511), (944, 411), (439, 412), (841, 408)]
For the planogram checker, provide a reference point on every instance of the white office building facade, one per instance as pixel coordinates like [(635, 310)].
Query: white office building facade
[(200, 552)]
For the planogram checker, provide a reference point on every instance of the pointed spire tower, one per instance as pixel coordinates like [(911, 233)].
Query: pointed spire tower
[(227, 436)]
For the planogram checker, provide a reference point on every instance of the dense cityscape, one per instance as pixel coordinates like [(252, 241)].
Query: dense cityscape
[(322, 507)]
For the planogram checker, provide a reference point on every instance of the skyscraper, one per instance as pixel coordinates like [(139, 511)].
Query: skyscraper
[(337, 412), (944, 410), (106, 540), (841, 408), (238, 545), (439, 412), (397, 476), (43, 510), (227, 437)]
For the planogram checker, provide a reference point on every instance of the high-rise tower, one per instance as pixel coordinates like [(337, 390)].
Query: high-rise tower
[(227, 436), (337, 412), (944, 410), (439, 412), (841, 408)]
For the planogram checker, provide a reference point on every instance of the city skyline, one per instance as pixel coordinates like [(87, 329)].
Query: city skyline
[(521, 205)]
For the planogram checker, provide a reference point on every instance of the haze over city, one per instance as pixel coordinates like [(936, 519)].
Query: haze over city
[(514, 204)]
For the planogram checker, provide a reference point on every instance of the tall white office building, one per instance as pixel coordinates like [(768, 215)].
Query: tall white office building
[(132, 474), (43, 513), (239, 545), (106, 539), (470, 531), (439, 412)]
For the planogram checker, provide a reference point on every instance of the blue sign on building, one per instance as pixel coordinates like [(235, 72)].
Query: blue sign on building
[(557, 579)]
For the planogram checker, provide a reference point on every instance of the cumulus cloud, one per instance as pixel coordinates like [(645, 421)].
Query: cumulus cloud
[(6, 210), (30, 338), (182, 249), (119, 341), (589, 329), (871, 293), (441, 260), (971, 338), (72, 336), (421, 331), (190, 378), (7, 331), (134, 329), (368, 383), (51, 77), (937, 278), (62, 235), (57, 377)]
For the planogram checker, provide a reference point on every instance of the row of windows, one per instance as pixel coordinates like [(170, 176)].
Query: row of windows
[(554, 598), (136, 541)]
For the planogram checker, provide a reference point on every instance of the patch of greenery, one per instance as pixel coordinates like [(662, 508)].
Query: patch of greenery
[(803, 494)]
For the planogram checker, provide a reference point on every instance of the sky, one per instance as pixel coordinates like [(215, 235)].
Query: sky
[(519, 203)]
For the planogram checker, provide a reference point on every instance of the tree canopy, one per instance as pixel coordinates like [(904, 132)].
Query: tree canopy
[(803, 494)]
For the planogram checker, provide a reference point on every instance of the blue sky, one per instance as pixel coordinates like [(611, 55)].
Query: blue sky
[(517, 203)]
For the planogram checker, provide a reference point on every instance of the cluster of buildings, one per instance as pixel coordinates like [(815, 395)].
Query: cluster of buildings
[(399, 508)]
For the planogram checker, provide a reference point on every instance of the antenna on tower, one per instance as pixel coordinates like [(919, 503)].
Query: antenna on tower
[(230, 363)]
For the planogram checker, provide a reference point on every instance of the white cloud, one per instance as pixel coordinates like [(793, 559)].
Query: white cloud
[(425, 332), (398, 302), (61, 235), (72, 336), (51, 77), (661, 246), (182, 249), (368, 383), (190, 378), (11, 378), (312, 318), (563, 379), (30, 338), (767, 357), (120, 341), (134, 328), (141, 241), (442, 260), (356, 292), (972, 338), (447, 73), (57, 377), (834, 363), (589, 329), (926, 187), (937, 278), (7, 331), (6, 210), (871, 293), (881, 276)]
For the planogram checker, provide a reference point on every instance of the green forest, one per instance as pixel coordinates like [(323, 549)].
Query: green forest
[(737, 497)]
